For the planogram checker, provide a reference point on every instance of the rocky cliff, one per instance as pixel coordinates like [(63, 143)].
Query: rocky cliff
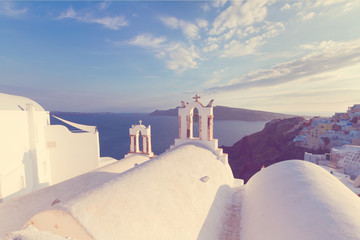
[(273, 144)]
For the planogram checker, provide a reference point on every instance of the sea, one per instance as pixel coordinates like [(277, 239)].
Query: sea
[(114, 130)]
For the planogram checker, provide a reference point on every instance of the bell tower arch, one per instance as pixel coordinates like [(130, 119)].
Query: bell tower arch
[(135, 132), (205, 126), (186, 119)]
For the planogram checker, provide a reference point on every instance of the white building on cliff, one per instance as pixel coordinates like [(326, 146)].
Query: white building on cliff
[(35, 154)]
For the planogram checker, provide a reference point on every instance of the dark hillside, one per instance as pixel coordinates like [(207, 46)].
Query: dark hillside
[(271, 145)]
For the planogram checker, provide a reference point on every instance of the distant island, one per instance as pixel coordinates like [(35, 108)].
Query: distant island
[(228, 113)]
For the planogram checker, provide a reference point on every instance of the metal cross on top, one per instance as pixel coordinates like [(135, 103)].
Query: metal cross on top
[(196, 97), (140, 122)]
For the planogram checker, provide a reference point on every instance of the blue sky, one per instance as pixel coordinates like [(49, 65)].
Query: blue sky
[(137, 56)]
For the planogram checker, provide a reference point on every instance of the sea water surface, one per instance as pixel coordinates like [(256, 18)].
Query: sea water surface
[(114, 130)]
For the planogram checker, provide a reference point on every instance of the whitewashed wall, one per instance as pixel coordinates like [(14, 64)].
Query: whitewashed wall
[(23, 155), (14, 140), (14, 147), (34, 154), (71, 154), (43, 171)]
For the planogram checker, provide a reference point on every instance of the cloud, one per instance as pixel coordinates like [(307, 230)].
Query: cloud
[(104, 5), (309, 9), (329, 56), (210, 48), (147, 41), (350, 6), (239, 14), (285, 7), (272, 29), (8, 8), (251, 46), (108, 22), (205, 7), (331, 47), (219, 3), (111, 22), (215, 78), (202, 23), (236, 48), (178, 56), (229, 34), (181, 58), (327, 2), (190, 30), (211, 44), (171, 22), (306, 15), (241, 28)]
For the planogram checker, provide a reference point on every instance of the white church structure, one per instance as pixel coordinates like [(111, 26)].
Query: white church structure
[(35, 154), (140, 132), (188, 192), (205, 128)]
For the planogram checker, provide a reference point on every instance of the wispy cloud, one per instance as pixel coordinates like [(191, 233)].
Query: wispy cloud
[(190, 30), (328, 57), (241, 28), (210, 48), (306, 16), (309, 9), (9, 9), (350, 6), (240, 14), (232, 34), (285, 7), (147, 41), (104, 5), (327, 2), (202, 23), (178, 56), (181, 58), (219, 3), (108, 22), (215, 78), (206, 7), (251, 45)]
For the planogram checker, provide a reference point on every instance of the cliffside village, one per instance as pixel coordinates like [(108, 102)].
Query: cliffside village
[(336, 131), (340, 136)]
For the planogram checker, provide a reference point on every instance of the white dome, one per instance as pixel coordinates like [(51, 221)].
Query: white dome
[(299, 200), (13, 102)]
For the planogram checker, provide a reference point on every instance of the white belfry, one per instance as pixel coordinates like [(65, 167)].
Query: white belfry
[(206, 125), (134, 133), (186, 116)]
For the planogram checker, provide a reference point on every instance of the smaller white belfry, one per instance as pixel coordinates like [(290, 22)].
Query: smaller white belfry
[(137, 133), (201, 134)]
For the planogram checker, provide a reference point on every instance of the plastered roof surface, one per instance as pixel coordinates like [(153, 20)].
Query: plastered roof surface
[(298, 200), (180, 194), (18, 103)]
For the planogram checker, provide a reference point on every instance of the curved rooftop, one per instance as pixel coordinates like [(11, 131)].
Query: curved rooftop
[(185, 194), (299, 200), (17, 103), (183, 191)]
